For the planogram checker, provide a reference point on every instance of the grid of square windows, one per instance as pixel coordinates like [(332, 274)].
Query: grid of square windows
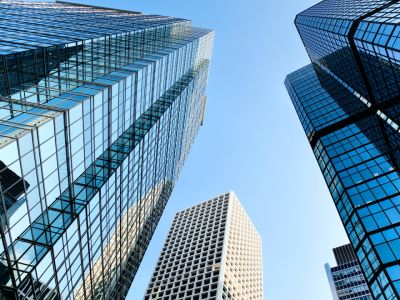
[(242, 276), (205, 245), (189, 264)]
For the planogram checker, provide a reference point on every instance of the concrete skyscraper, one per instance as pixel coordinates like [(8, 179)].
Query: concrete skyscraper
[(99, 108), (346, 280), (348, 101), (213, 252)]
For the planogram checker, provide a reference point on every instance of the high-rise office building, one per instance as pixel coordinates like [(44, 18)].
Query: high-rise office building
[(212, 252), (346, 279), (99, 108), (348, 101)]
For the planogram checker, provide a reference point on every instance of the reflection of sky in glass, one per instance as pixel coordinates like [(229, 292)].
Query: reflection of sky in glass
[(156, 119)]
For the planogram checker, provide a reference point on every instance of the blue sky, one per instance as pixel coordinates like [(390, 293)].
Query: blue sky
[(252, 142)]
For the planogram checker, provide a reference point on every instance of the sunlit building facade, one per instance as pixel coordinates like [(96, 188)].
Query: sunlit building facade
[(213, 252), (346, 280), (98, 110), (348, 101)]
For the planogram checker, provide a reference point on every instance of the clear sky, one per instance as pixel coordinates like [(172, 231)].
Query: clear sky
[(252, 142)]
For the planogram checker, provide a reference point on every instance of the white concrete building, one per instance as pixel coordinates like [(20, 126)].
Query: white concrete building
[(213, 252)]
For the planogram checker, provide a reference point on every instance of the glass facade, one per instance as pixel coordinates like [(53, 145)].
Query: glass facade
[(348, 102), (346, 279), (98, 111)]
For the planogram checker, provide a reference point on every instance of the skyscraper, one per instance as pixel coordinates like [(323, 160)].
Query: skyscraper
[(346, 279), (212, 252), (99, 108), (348, 101)]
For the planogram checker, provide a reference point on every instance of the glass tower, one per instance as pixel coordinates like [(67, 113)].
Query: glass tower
[(212, 252), (98, 111), (348, 101), (346, 279)]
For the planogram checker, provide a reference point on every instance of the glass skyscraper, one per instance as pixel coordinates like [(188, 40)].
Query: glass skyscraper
[(346, 279), (98, 110), (348, 101)]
